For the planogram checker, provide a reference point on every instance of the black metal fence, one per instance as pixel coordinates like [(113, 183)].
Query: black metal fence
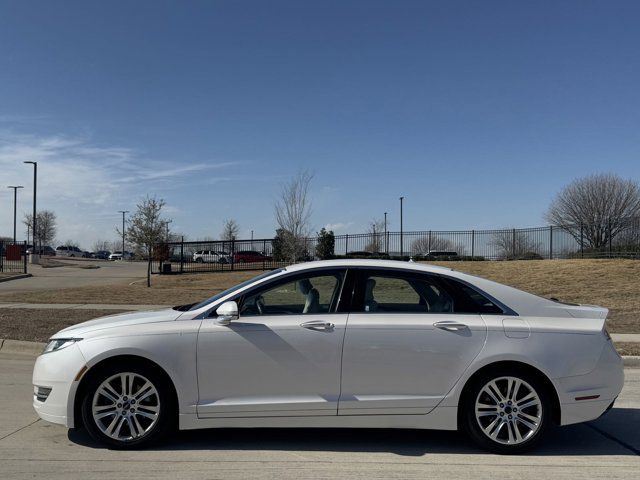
[(603, 240), (13, 257)]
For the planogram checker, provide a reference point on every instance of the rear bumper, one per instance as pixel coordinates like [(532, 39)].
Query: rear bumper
[(587, 397)]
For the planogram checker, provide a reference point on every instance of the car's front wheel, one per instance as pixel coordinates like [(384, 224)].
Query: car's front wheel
[(127, 407), (506, 411)]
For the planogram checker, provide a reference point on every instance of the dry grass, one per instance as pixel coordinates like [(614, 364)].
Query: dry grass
[(614, 284), (165, 290), (37, 325), (628, 348)]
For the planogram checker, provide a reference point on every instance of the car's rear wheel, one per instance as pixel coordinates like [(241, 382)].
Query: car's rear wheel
[(199, 260), (506, 411), (127, 407)]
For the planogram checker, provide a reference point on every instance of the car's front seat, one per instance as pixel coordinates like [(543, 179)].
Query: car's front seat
[(312, 300), (370, 304)]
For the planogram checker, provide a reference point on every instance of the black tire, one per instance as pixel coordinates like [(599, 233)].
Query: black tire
[(199, 260), (164, 422), (473, 425)]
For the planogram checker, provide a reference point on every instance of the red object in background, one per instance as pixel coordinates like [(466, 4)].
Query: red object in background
[(14, 252), (251, 256)]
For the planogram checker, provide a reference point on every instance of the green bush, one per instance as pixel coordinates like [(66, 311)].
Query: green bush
[(325, 244)]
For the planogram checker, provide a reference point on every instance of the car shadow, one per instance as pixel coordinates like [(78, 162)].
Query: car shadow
[(589, 439)]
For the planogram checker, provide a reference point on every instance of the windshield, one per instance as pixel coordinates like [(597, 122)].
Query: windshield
[(217, 297)]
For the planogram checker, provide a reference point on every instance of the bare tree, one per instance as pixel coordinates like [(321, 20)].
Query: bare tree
[(146, 227), (45, 225), (102, 245), (425, 244), (514, 244), (230, 230), (376, 236), (596, 208), (293, 214)]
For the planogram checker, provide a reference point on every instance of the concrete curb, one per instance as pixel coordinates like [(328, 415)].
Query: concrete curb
[(19, 346), (631, 361), (35, 349), (15, 277)]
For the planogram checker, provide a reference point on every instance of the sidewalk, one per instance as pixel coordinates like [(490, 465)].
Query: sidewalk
[(83, 306), (626, 337)]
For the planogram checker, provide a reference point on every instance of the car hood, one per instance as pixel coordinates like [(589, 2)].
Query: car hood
[(124, 319)]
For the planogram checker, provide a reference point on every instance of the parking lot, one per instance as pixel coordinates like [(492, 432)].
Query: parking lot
[(77, 273), (29, 448)]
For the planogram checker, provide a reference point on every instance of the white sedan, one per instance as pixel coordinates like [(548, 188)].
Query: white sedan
[(342, 343)]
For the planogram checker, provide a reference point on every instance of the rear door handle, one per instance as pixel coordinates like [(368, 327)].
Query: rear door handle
[(450, 326), (317, 325)]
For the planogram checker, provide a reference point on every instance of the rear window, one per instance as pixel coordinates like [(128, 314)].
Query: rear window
[(469, 300)]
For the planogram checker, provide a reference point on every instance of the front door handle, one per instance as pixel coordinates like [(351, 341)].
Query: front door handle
[(317, 325), (450, 326)]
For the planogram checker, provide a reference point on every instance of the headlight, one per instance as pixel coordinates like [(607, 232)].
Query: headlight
[(59, 344)]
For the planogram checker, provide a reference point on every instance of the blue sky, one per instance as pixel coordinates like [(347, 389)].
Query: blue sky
[(476, 112)]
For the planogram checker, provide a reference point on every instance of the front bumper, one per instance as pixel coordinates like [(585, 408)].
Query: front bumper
[(57, 371), (587, 397)]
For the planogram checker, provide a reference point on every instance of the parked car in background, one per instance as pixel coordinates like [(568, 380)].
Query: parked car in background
[(424, 347), (44, 250), (441, 253), (250, 256), (211, 256), (365, 254), (101, 254), (119, 256), (69, 251)]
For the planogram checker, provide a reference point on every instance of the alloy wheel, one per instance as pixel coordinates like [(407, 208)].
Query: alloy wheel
[(126, 406), (508, 410)]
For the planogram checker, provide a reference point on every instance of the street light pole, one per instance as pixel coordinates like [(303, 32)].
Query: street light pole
[(33, 219), (123, 212), (167, 224), (15, 207), (401, 232)]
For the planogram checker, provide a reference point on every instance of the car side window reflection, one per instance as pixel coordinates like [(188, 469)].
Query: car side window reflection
[(308, 295)]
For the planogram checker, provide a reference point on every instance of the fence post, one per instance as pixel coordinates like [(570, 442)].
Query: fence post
[(346, 244), (513, 244), (182, 254), (550, 242), (609, 227), (429, 243), (24, 256), (264, 253), (473, 243), (3, 252), (233, 253), (581, 240)]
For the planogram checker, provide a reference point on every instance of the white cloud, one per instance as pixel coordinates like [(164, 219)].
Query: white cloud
[(336, 227), (83, 183)]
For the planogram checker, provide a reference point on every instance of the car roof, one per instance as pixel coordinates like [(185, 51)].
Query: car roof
[(371, 263)]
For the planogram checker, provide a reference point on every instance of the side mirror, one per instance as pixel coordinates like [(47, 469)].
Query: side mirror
[(226, 312)]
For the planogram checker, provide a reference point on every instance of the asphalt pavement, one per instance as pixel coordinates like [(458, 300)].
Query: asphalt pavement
[(31, 448), (72, 276)]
